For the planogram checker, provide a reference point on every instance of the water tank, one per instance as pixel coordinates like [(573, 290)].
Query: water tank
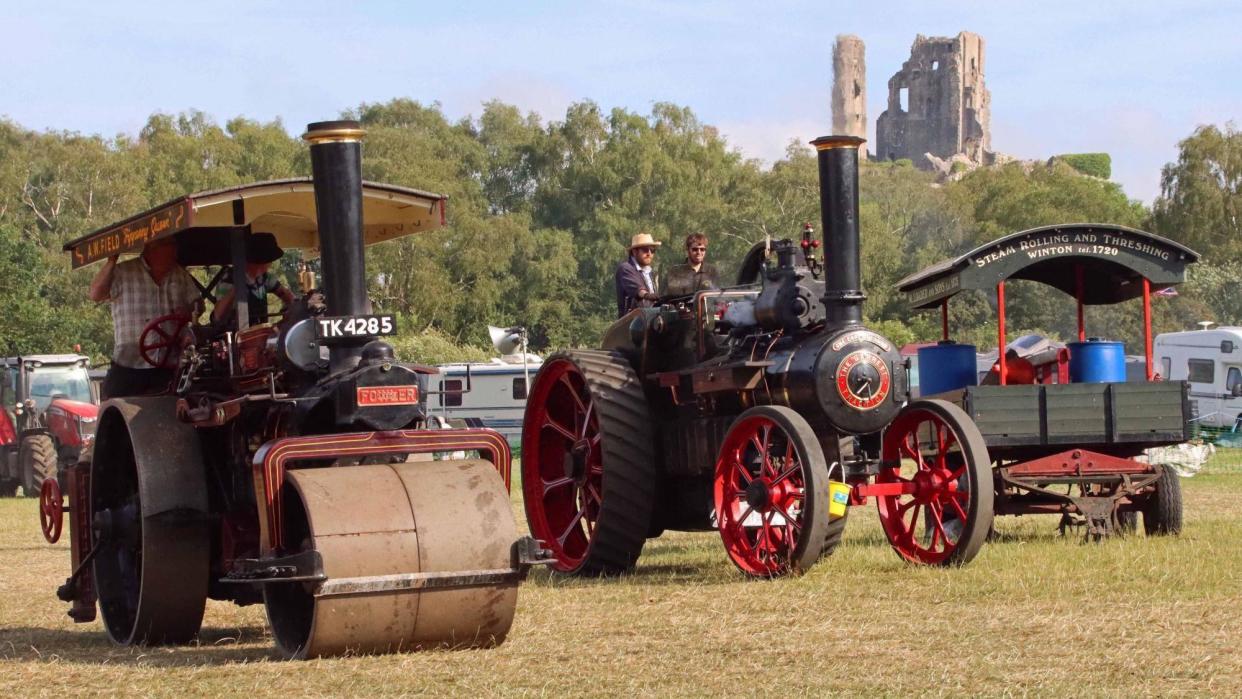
[(946, 366), (1097, 361)]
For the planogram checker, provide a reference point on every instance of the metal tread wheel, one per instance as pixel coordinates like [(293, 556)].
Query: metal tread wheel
[(944, 510), (588, 466), (771, 494)]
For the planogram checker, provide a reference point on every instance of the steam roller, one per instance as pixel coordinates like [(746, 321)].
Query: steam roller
[(291, 463), (383, 555)]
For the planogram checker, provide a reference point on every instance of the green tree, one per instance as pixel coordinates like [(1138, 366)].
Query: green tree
[(1200, 202)]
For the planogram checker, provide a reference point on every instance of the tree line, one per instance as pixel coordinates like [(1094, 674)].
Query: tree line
[(540, 212)]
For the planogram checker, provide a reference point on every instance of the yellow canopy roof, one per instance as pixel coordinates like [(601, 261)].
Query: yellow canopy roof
[(284, 208)]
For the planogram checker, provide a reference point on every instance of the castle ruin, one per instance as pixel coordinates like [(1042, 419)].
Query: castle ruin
[(937, 103)]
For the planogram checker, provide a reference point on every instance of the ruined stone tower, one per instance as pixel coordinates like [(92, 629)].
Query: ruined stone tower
[(849, 87), (937, 103)]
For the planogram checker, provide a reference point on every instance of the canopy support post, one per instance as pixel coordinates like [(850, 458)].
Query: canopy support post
[(1082, 329), (1147, 325), (237, 250), (944, 320), (1000, 326)]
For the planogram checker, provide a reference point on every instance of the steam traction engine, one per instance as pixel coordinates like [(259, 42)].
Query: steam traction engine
[(733, 409), (278, 467)]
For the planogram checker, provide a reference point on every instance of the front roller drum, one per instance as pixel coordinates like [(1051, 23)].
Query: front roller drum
[(376, 529)]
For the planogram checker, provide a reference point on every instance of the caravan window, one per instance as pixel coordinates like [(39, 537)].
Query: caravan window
[(450, 399), (1166, 368), (1200, 370), (1233, 378), (519, 388)]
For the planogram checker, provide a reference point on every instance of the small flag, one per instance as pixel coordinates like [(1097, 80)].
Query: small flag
[(1168, 291)]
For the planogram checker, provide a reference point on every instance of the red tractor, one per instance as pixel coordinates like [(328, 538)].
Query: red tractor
[(49, 416)]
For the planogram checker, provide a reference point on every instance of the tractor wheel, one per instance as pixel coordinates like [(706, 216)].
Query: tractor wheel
[(1162, 515), (588, 462), (771, 493), (944, 511), (150, 517), (38, 463)]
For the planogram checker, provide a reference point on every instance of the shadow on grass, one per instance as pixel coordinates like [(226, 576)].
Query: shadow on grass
[(212, 647)]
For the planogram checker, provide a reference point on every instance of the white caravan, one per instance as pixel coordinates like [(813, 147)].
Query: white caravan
[(497, 395), (1211, 362)]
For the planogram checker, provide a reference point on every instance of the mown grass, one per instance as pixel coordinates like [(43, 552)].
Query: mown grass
[(1033, 614)]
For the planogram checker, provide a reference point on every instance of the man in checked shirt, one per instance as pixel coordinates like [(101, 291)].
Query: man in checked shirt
[(141, 290)]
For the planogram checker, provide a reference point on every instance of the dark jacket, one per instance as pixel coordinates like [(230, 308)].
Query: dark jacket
[(628, 282), (682, 280)]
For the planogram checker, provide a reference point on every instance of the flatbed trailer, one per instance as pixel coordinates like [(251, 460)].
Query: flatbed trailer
[(1071, 448)]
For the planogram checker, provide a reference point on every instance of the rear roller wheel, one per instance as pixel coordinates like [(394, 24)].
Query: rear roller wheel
[(418, 517), (771, 494), (150, 518), (944, 512), (588, 468)]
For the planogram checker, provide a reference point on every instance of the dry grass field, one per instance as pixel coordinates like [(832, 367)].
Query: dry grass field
[(1033, 614)]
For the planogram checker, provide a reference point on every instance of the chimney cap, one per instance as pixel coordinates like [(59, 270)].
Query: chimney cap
[(344, 131), (829, 142)]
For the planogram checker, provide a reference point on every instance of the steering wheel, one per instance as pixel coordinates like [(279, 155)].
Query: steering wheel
[(159, 344)]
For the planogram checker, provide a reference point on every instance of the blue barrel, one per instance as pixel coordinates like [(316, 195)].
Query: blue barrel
[(946, 366), (1097, 361)]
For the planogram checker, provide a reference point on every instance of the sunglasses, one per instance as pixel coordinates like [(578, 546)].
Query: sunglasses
[(643, 251)]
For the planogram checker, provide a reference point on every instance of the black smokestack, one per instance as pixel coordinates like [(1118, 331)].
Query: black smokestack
[(838, 203), (336, 165)]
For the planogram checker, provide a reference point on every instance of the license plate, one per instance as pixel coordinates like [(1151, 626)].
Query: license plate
[(387, 395), (330, 328)]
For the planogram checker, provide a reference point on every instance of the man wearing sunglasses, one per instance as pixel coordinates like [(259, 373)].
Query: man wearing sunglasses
[(694, 274), (635, 281)]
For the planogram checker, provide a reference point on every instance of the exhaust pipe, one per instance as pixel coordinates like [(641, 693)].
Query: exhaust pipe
[(838, 203), (336, 168)]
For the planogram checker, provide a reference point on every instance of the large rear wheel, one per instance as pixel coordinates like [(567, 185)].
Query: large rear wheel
[(771, 493), (150, 517), (937, 457), (588, 464)]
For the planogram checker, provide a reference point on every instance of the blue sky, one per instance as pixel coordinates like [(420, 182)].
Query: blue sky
[(1129, 78)]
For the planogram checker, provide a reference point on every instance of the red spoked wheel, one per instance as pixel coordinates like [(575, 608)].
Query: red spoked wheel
[(771, 493), (160, 341), (51, 510), (588, 475), (937, 457)]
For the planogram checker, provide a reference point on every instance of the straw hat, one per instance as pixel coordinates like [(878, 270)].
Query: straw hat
[(644, 240)]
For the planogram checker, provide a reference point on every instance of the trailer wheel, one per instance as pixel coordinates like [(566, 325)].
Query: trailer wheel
[(588, 464), (1162, 515), (771, 493), (38, 462), (944, 511)]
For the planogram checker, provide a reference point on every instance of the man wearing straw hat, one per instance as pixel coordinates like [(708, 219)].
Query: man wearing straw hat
[(634, 280)]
